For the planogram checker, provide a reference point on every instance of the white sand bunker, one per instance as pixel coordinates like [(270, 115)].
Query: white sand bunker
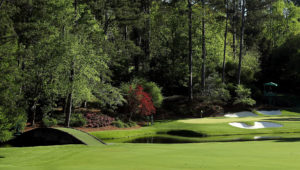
[(257, 125), (270, 112), (240, 114)]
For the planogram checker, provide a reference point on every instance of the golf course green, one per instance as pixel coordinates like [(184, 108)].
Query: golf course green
[(271, 154), (237, 155)]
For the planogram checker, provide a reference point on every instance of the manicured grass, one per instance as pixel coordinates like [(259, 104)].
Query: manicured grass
[(82, 136), (235, 155), (211, 126), (275, 154)]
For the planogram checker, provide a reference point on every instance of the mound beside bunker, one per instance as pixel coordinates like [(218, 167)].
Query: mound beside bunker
[(53, 136), (257, 125), (270, 112), (240, 114)]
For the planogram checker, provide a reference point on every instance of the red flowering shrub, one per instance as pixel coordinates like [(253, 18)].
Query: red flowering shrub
[(98, 120), (140, 102)]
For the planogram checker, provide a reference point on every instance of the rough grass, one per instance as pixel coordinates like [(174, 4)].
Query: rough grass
[(238, 155)]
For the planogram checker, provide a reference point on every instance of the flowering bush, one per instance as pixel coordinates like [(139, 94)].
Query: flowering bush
[(140, 102), (98, 120), (149, 87)]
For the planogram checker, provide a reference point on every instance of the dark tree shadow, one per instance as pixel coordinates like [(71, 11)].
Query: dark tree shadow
[(284, 119), (294, 109), (1, 157), (288, 140), (185, 133)]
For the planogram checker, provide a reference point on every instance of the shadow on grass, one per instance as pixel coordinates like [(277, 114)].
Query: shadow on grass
[(294, 109), (288, 140), (1, 157), (285, 119), (185, 133)]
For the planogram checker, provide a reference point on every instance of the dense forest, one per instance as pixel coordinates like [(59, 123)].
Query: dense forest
[(69, 53)]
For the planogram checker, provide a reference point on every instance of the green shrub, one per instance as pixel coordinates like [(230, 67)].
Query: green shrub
[(216, 91), (243, 96), (11, 121), (5, 125), (20, 123), (120, 124), (131, 124), (150, 87), (155, 92), (49, 122), (77, 120)]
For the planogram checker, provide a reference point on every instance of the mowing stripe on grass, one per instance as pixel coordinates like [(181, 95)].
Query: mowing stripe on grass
[(82, 136)]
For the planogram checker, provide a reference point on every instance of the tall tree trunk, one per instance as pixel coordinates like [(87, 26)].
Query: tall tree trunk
[(137, 58), (106, 23), (33, 109), (148, 29), (241, 42), (71, 80), (271, 26), (234, 28), (203, 49), (1, 3), (190, 52), (225, 38), (125, 32), (70, 96), (69, 109)]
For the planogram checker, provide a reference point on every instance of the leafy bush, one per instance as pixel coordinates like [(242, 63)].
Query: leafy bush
[(49, 122), (149, 87), (215, 90), (155, 92), (131, 124), (118, 123), (243, 96), (20, 123), (140, 102), (98, 120), (11, 122), (77, 120), (5, 133)]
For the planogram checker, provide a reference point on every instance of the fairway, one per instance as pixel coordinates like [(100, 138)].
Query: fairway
[(235, 155)]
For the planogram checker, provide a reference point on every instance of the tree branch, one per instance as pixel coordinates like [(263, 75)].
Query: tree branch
[(1, 3)]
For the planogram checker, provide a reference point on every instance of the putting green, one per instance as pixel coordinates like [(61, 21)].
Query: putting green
[(230, 155)]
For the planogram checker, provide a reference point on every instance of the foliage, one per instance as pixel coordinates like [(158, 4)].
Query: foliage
[(243, 96), (50, 50), (77, 120), (119, 123), (98, 120), (150, 87), (5, 126), (215, 90), (131, 124), (154, 91), (49, 122), (284, 65), (140, 102)]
